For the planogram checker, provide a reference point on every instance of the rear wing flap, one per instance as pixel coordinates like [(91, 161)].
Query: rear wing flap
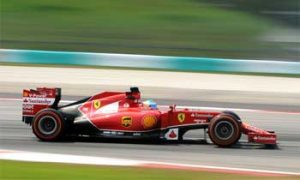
[(37, 99)]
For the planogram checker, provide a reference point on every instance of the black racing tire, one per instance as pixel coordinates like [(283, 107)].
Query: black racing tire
[(234, 115), (224, 130), (48, 125)]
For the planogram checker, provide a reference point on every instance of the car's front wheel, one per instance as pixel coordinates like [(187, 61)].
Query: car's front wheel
[(224, 130), (48, 125)]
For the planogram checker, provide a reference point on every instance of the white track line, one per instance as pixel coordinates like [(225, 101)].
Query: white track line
[(190, 107), (76, 159), (63, 158), (232, 109)]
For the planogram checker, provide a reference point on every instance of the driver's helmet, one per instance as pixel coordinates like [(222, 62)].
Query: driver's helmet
[(150, 103)]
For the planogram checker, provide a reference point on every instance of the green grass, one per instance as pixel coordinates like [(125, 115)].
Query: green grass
[(168, 27), (29, 170)]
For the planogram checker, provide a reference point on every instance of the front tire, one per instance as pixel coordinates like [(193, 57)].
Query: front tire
[(224, 130), (48, 125)]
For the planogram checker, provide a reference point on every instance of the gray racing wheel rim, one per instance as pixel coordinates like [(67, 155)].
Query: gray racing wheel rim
[(225, 128), (52, 125)]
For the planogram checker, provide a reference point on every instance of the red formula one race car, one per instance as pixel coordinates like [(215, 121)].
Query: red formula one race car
[(123, 115)]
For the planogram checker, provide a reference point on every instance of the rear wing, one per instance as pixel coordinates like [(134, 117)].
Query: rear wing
[(36, 100)]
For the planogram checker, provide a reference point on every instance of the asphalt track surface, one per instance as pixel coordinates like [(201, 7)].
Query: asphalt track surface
[(15, 135)]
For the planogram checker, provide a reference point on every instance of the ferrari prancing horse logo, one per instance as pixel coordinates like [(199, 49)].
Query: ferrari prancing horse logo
[(181, 117), (97, 104), (126, 121)]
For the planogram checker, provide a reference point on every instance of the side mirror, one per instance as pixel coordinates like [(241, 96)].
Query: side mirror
[(129, 96), (172, 107)]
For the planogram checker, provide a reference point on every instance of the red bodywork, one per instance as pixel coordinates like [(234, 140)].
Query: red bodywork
[(258, 135), (123, 112), (113, 107)]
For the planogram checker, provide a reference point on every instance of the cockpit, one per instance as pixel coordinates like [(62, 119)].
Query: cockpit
[(150, 104), (134, 96)]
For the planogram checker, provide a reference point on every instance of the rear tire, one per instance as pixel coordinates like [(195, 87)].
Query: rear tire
[(48, 125), (224, 130)]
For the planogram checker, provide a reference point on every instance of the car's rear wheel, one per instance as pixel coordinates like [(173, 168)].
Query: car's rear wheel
[(48, 125), (224, 130)]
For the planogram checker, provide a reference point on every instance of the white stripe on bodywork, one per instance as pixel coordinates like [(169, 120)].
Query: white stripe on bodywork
[(109, 108)]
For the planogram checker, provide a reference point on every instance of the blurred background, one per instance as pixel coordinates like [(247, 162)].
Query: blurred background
[(263, 93), (256, 29)]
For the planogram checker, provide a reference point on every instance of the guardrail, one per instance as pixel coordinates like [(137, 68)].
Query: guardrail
[(149, 62)]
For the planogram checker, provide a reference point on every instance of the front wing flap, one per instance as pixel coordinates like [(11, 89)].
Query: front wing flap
[(257, 135)]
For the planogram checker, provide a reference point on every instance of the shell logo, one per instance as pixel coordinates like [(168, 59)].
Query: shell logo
[(149, 121)]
